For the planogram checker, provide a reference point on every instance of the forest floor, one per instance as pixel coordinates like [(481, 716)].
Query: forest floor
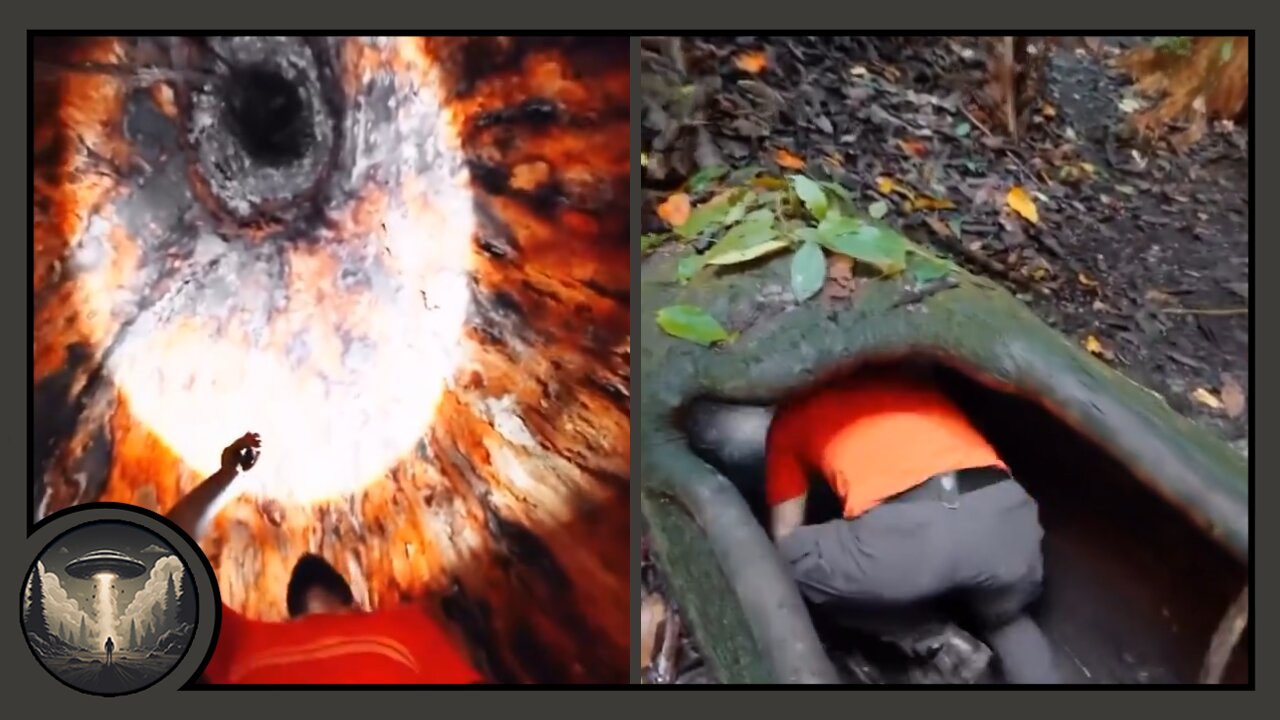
[(1141, 249)]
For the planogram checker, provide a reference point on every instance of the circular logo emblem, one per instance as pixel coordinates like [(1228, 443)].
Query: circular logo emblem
[(109, 607)]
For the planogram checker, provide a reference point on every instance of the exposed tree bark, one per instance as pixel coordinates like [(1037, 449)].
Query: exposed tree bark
[(483, 181)]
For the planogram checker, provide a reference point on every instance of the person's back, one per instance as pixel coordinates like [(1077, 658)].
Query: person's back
[(397, 645), (929, 510), (110, 646), (872, 437)]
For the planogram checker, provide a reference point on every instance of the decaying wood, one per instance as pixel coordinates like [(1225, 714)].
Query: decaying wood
[(505, 509), (1208, 79)]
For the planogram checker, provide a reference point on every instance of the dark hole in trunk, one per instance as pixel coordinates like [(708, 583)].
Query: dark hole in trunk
[(1133, 589)]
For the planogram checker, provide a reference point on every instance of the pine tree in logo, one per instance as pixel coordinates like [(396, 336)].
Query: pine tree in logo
[(35, 622)]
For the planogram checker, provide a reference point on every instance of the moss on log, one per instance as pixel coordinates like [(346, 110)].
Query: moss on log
[(723, 569)]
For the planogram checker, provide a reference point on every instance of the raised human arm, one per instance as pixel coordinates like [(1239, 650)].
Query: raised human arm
[(194, 511)]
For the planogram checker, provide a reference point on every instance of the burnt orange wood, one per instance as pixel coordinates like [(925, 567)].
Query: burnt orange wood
[(508, 511)]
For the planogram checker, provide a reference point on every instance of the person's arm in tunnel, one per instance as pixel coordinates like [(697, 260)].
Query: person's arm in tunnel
[(786, 484), (194, 511)]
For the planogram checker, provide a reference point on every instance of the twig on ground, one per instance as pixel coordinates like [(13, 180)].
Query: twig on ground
[(1205, 311), (926, 290), (976, 121)]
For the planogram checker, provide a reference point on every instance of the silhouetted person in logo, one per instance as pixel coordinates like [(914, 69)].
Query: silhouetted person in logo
[(110, 646), (329, 639)]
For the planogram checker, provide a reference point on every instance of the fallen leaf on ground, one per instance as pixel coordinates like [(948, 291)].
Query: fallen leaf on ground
[(1086, 281), (1048, 110), (887, 185), (649, 241), (938, 226), (752, 61), (1204, 397), (692, 323), (914, 148), (858, 71), (1020, 201), (1095, 347), (754, 237), (768, 182), (840, 283), (675, 210), (653, 611), (705, 216), (808, 270), (689, 266), (1160, 297), (705, 177), (878, 209), (883, 249), (924, 202), (811, 194), (924, 267), (788, 159), (1233, 400)]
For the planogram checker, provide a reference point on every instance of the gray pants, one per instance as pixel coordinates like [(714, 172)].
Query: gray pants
[(880, 571)]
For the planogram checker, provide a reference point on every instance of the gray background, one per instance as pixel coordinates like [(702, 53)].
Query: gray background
[(43, 692)]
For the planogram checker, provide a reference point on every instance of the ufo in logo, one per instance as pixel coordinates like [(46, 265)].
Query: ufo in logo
[(112, 562)]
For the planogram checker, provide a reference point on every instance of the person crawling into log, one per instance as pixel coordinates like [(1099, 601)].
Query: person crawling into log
[(328, 639), (935, 532)]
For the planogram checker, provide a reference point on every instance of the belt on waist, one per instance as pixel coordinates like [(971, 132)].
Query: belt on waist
[(961, 482)]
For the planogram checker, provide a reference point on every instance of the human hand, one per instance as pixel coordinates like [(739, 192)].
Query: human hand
[(241, 454)]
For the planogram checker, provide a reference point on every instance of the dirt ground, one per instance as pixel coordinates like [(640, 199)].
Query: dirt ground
[(1141, 251)]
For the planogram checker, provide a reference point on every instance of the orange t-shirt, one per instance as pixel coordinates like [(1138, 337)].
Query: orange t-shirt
[(872, 438), (395, 645)]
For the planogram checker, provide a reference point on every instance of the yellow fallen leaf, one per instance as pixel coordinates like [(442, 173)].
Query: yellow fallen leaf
[(1020, 201), (753, 61), (1094, 345), (1048, 110), (887, 185), (644, 159), (924, 202), (1088, 167), (1086, 281), (788, 159), (1204, 397), (675, 210), (1040, 272)]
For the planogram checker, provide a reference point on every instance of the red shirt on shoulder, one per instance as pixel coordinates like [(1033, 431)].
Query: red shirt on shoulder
[(394, 645), (871, 437)]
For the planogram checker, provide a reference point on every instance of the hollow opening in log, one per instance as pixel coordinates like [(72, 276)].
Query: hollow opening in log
[(266, 110), (1134, 590)]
